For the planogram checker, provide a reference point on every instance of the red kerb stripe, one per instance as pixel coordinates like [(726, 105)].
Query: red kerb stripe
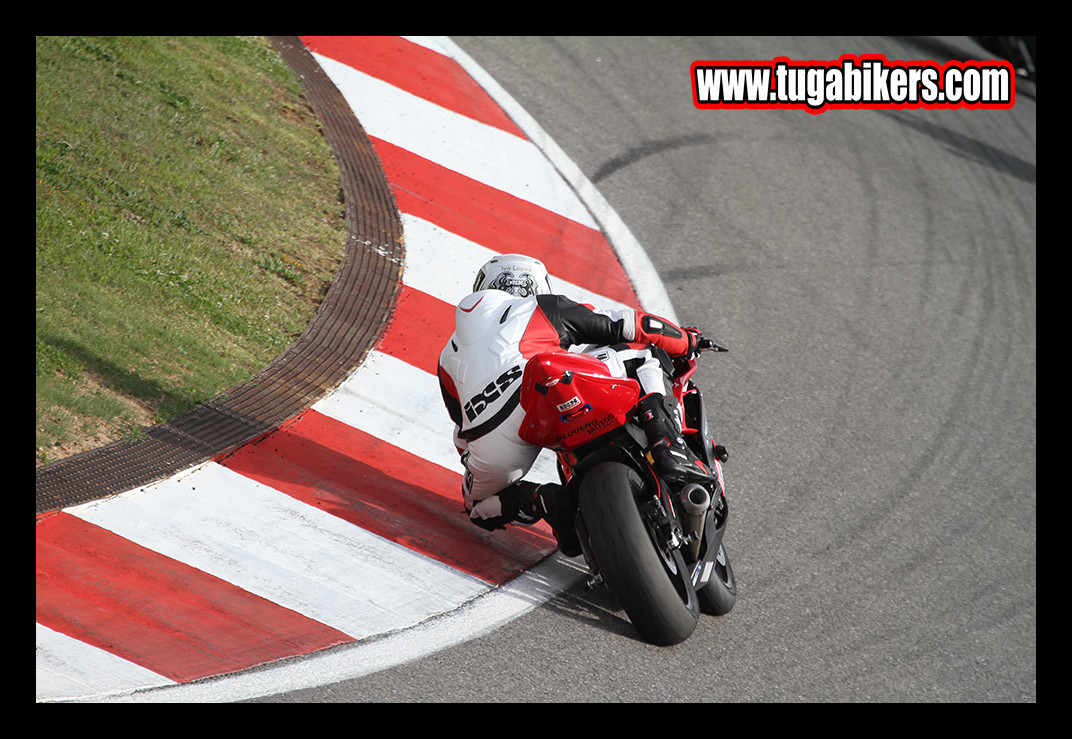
[(419, 329), (417, 70), (388, 491), (168, 617), (504, 223)]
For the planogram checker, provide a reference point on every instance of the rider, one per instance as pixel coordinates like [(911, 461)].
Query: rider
[(510, 316)]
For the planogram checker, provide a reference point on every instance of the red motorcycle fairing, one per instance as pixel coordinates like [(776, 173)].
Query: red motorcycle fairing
[(571, 399)]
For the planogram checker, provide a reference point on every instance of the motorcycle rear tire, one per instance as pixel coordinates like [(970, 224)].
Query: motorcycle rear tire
[(652, 586)]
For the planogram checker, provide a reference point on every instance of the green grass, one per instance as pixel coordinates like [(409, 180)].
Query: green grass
[(189, 223)]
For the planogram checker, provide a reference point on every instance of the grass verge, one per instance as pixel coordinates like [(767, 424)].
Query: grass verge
[(189, 222)]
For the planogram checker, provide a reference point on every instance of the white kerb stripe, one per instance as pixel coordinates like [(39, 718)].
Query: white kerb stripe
[(402, 405), (397, 403), (70, 668), (457, 142), (444, 265), (218, 521)]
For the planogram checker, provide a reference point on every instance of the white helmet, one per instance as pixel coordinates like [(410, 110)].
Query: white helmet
[(517, 274)]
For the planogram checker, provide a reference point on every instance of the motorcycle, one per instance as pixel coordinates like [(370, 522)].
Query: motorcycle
[(657, 547)]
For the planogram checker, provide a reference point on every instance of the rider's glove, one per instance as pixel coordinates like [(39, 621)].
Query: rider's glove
[(695, 337)]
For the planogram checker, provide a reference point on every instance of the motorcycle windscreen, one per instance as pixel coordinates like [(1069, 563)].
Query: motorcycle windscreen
[(571, 399)]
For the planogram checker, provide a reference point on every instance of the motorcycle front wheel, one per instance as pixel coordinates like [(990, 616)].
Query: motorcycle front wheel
[(650, 582)]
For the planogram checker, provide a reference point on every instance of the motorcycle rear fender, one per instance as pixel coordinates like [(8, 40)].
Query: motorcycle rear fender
[(623, 445), (571, 399)]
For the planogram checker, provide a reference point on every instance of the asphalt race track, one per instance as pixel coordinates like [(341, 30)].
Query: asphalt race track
[(873, 272)]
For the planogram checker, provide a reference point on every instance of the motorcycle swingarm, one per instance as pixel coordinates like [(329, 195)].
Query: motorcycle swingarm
[(714, 531)]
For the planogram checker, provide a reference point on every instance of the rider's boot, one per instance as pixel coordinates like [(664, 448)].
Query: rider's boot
[(558, 509), (524, 503), (673, 459)]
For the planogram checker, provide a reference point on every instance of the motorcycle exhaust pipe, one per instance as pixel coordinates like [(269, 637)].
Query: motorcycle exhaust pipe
[(695, 502)]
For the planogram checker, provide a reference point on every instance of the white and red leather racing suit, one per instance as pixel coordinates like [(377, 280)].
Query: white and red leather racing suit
[(480, 372)]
